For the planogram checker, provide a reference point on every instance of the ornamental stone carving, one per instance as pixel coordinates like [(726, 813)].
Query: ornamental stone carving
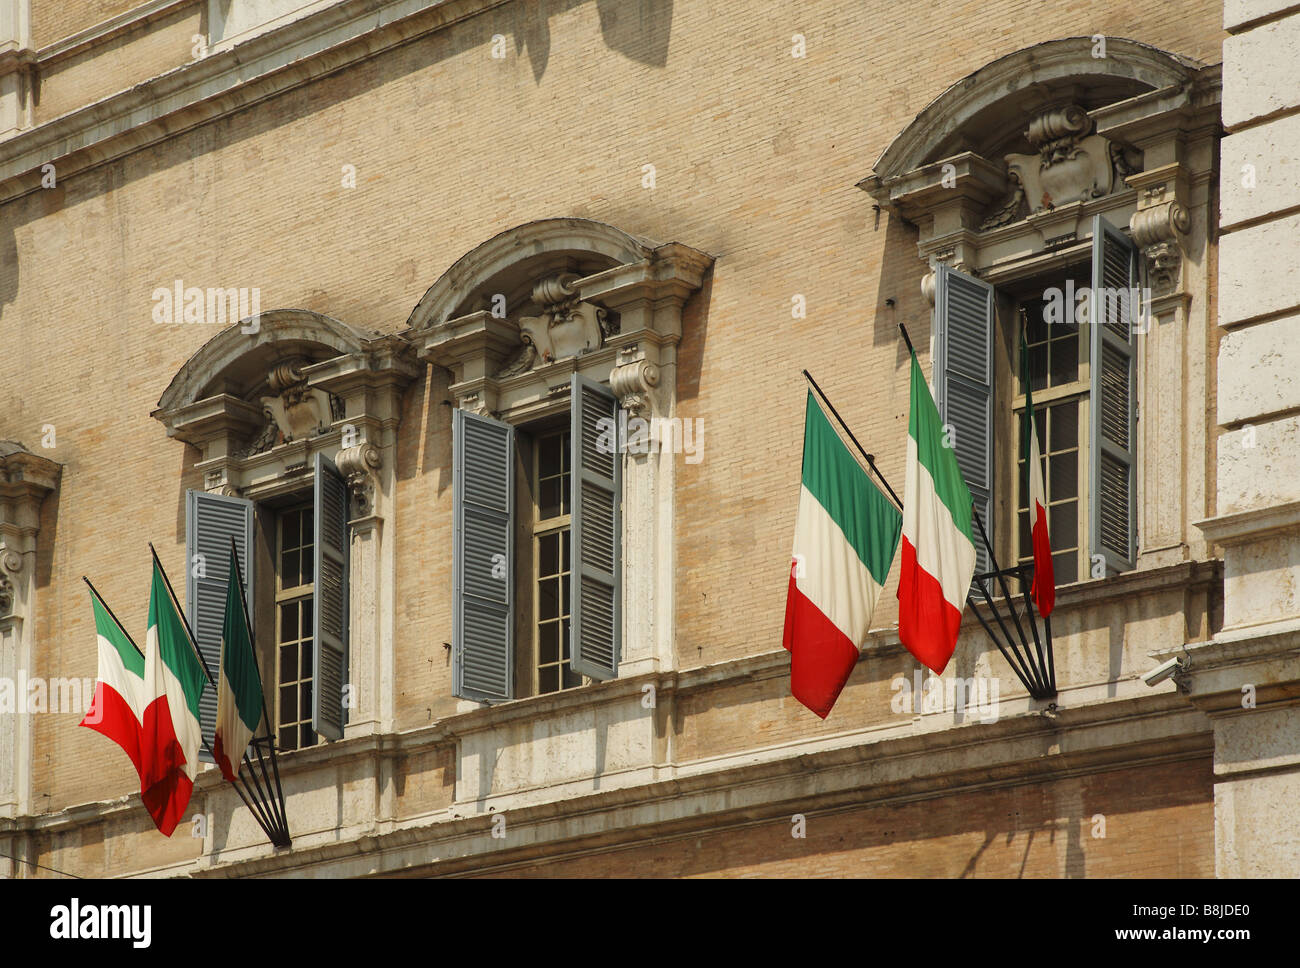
[(359, 465), (1071, 165), (567, 326), (634, 384), (1159, 228)]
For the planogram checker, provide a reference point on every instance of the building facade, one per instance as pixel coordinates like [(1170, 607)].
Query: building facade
[(360, 283)]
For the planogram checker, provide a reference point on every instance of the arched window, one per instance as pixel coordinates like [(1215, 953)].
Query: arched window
[(561, 338), (1062, 184)]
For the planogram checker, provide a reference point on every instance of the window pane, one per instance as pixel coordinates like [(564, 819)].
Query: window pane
[(571, 678), (564, 602), (306, 660), (548, 679), (307, 736), (304, 700), (1065, 360), (1038, 366), (1026, 544), (289, 539), (289, 622), (564, 450), (548, 502), (548, 643), (288, 663), (288, 704), (1063, 524), (1063, 471), (548, 457), (564, 562), (307, 565), (307, 627), (1065, 426), (1065, 567), (548, 604), (1035, 323), (287, 737), (289, 570), (548, 547), (564, 640)]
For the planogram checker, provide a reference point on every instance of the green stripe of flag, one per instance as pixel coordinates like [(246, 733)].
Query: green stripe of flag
[(174, 644), (840, 485), (926, 429), (132, 660), (238, 663)]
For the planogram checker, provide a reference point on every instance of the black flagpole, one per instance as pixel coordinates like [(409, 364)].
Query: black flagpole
[(266, 715), (263, 822)]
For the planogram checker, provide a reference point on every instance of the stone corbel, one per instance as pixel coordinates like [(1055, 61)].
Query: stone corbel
[(635, 382), (360, 465), (1159, 228)]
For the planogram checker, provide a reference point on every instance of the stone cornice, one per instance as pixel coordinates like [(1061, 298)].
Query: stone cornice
[(185, 97), (1242, 527)]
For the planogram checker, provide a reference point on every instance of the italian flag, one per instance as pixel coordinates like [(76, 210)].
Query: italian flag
[(845, 538), (239, 687), (938, 545), (1043, 591), (117, 708), (173, 680)]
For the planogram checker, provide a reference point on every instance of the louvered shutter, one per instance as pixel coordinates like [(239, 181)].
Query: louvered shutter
[(483, 495), (211, 520), (964, 320), (329, 599), (595, 617), (1113, 462)]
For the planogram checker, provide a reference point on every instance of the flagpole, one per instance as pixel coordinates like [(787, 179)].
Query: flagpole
[(94, 591), (266, 715), (871, 460), (189, 632)]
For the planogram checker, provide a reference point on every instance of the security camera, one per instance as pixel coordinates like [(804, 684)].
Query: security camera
[(1163, 671)]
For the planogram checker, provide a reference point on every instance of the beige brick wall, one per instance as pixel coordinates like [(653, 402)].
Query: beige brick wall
[(1157, 823), (53, 20), (756, 155)]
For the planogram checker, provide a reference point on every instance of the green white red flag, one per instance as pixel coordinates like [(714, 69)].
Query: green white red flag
[(846, 536), (239, 687), (1043, 590), (938, 544), (173, 681), (117, 708)]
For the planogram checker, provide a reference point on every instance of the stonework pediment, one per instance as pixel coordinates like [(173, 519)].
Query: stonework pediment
[(566, 326)]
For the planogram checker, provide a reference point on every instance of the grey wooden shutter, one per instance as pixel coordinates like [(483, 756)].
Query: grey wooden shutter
[(329, 599), (211, 520), (595, 617), (1112, 417), (964, 320), (483, 497)]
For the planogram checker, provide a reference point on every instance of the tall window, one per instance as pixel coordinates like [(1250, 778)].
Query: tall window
[(294, 585), (551, 556), (1059, 379)]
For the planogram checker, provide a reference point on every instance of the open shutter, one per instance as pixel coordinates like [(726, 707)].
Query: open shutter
[(483, 499), (595, 617), (211, 520), (329, 599), (963, 353), (1113, 463)]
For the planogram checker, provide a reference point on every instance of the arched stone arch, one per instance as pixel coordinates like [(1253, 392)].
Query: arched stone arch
[(997, 96), (508, 262)]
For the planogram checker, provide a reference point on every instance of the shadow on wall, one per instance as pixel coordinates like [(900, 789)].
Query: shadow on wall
[(901, 271), (639, 31)]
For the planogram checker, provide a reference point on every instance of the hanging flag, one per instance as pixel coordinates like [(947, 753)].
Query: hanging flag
[(117, 708), (938, 544), (845, 538), (239, 687), (170, 733), (1043, 590)]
